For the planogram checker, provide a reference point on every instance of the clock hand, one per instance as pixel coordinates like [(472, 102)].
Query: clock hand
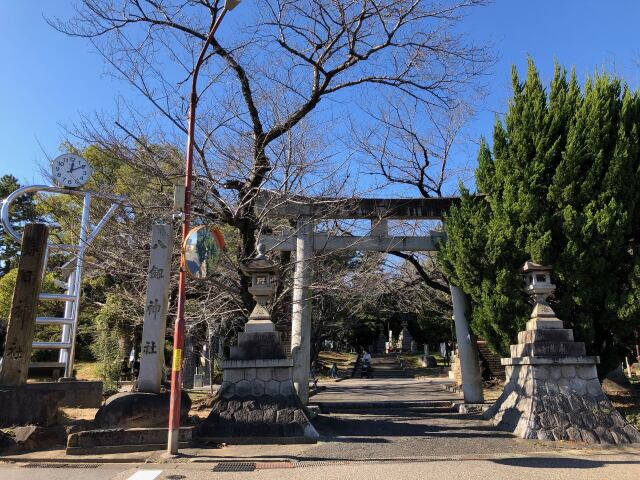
[(77, 168), (72, 164)]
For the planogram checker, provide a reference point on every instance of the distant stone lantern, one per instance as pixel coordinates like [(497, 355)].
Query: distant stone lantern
[(539, 287), (264, 282)]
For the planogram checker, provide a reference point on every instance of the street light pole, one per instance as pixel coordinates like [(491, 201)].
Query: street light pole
[(179, 328)]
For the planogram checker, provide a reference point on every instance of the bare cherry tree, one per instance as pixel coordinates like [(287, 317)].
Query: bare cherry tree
[(282, 82)]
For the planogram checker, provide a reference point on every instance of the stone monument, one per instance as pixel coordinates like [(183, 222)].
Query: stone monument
[(552, 391), (155, 314), (405, 338), (148, 406), (380, 346), (257, 397)]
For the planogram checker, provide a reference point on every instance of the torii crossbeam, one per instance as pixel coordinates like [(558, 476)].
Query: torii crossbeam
[(304, 241)]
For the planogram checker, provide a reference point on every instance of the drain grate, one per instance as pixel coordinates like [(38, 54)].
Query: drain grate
[(235, 467), (61, 465), (273, 465)]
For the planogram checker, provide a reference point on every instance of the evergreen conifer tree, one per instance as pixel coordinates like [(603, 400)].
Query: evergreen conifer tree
[(559, 187), (23, 211)]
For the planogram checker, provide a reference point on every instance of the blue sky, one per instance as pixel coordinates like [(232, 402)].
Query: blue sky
[(49, 80)]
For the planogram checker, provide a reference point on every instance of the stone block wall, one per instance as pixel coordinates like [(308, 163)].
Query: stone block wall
[(245, 378)]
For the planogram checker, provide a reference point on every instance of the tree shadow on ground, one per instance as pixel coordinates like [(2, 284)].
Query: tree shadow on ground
[(356, 439), (555, 462), (407, 413), (330, 427)]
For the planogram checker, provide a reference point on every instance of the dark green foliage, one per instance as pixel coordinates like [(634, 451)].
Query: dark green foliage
[(24, 210), (110, 323), (560, 188)]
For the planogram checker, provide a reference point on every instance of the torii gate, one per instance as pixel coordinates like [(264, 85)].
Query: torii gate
[(304, 241)]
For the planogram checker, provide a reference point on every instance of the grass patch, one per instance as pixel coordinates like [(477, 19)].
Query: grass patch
[(415, 360), (343, 360), (86, 370), (629, 408), (411, 361)]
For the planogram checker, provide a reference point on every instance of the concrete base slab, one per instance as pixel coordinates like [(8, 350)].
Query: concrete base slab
[(260, 440), (120, 440), (109, 449), (434, 406)]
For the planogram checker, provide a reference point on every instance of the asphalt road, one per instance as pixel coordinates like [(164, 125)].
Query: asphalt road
[(618, 467)]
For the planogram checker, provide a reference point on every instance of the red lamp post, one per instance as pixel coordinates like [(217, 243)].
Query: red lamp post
[(179, 328)]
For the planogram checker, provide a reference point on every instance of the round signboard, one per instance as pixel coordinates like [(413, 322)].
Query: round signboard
[(201, 251)]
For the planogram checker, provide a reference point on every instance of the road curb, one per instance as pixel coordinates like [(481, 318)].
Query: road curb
[(204, 459)]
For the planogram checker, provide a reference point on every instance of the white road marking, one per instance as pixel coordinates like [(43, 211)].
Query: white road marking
[(145, 475)]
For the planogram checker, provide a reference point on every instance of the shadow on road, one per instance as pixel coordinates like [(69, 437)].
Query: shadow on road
[(333, 426), (555, 462)]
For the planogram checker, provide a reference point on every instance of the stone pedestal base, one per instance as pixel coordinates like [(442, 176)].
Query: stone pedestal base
[(257, 400), (552, 390), (558, 399)]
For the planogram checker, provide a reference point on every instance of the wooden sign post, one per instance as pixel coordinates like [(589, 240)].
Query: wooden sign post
[(22, 319)]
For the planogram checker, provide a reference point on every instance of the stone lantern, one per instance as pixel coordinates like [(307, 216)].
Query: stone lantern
[(539, 287), (552, 391), (259, 374), (264, 282)]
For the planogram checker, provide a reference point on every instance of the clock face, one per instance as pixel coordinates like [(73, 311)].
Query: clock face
[(70, 171)]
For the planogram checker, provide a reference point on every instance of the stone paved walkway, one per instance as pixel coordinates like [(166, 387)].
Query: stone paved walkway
[(405, 418)]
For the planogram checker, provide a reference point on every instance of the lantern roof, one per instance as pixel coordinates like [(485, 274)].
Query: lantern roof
[(259, 264), (530, 266)]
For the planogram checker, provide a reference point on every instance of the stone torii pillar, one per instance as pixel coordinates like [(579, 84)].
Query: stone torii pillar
[(467, 349), (301, 314)]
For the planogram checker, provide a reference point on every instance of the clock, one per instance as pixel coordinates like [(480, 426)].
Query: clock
[(70, 171)]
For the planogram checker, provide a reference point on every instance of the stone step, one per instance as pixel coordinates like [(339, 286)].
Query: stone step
[(433, 406), (384, 368), (490, 360)]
